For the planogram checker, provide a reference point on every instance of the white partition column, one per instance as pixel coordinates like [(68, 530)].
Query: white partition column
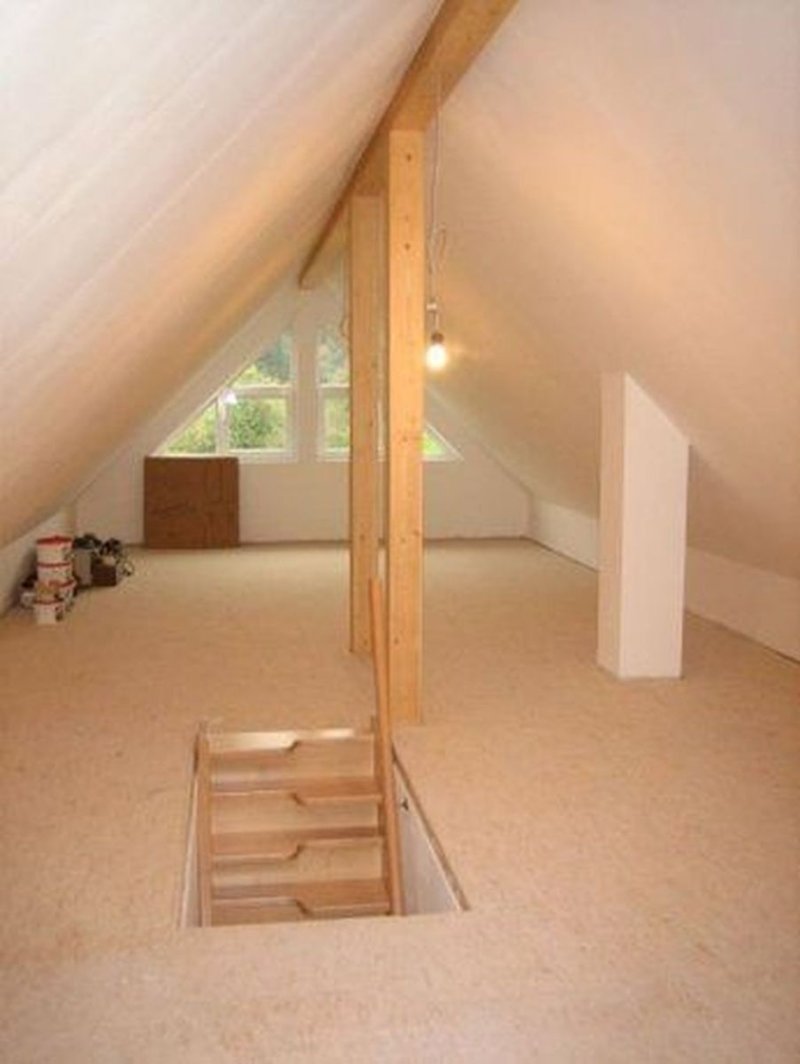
[(643, 488)]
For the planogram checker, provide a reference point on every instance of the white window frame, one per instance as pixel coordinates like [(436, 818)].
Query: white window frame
[(324, 392), (450, 452), (222, 412), (334, 391), (260, 391)]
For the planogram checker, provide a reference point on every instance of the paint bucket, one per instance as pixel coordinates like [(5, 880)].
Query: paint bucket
[(48, 612), (54, 573), (66, 593), (57, 591), (53, 550)]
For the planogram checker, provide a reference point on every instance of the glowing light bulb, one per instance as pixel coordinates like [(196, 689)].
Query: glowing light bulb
[(436, 356)]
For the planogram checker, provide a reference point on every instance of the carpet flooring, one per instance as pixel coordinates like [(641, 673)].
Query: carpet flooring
[(630, 851)]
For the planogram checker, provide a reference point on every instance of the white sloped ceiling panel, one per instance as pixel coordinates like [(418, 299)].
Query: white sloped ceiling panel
[(621, 188), (163, 165)]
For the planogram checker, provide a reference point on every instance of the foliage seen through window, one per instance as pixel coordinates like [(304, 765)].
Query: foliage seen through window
[(252, 415)]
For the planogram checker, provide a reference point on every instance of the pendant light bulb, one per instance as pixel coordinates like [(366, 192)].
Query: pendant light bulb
[(436, 356)]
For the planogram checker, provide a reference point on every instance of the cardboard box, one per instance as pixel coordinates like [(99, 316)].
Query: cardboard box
[(104, 575)]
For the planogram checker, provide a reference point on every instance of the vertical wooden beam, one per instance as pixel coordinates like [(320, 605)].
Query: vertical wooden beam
[(365, 332), (203, 824), (384, 755), (405, 378), (456, 36)]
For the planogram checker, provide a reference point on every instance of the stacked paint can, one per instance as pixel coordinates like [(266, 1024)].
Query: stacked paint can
[(55, 580)]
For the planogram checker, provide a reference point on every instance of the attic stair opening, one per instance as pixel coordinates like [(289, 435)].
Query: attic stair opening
[(299, 825), (291, 826)]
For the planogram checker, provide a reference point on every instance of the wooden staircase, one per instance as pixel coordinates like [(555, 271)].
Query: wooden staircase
[(291, 826), (299, 825)]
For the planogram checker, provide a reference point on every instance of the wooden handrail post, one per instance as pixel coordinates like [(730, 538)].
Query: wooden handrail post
[(203, 824), (384, 763)]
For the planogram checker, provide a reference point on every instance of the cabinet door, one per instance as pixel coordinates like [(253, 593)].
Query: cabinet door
[(191, 502)]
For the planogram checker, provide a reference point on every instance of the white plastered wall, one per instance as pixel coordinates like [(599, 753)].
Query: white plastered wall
[(755, 602), (305, 499), (644, 474), (620, 187)]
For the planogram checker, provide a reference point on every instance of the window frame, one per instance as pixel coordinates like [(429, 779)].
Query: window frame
[(450, 453), (325, 391), (259, 391), (287, 392)]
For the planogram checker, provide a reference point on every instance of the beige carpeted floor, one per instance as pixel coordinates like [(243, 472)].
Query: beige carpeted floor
[(630, 851)]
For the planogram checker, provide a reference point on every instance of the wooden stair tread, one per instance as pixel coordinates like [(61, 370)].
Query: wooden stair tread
[(228, 913), (317, 898), (243, 846), (303, 789), (247, 745), (305, 841)]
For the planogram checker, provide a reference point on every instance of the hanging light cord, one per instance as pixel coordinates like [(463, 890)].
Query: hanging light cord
[(437, 234)]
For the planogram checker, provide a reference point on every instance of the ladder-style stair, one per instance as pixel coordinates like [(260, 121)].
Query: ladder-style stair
[(291, 826), (299, 825)]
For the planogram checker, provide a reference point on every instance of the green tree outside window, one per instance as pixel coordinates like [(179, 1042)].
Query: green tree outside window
[(199, 436)]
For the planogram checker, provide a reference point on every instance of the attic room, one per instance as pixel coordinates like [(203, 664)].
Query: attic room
[(546, 574)]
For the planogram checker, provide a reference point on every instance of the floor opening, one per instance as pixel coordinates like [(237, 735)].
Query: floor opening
[(289, 826)]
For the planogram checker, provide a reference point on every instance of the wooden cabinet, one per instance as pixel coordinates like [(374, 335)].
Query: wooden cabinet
[(191, 502)]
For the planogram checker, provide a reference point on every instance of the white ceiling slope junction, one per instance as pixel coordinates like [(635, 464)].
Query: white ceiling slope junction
[(621, 186), (163, 164)]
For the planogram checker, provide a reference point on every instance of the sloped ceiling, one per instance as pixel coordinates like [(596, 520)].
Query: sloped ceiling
[(164, 163), (620, 185), (621, 190)]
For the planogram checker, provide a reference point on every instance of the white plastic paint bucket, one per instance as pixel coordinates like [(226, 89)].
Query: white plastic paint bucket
[(54, 573), (48, 612), (53, 550)]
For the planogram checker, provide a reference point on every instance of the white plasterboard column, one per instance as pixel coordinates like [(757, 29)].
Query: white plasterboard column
[(643, 489)]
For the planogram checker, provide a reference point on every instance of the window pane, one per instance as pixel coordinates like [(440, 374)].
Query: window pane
[(256, 424), (199, 437), (332, 363), (336, 424), (273, 367), (432, 446)]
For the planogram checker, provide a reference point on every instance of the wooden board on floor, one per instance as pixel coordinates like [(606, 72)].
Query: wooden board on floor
[(191, 502)]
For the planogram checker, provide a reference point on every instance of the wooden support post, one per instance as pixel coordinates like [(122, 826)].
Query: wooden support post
[(457, 35), (405, 377), (365, 336)]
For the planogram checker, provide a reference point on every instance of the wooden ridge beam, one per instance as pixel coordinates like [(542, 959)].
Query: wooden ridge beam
[(457, 34)]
